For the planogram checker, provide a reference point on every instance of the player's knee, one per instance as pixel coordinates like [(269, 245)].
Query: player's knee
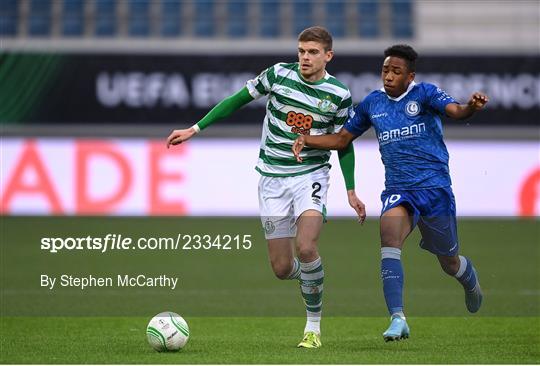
[(281, 274), (307, 253), (282, 270)]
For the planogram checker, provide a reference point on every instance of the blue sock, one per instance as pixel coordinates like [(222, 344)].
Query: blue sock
[(465, 274), (392, 277)]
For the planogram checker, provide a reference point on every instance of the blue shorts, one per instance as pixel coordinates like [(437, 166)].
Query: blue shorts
[(434, 211)]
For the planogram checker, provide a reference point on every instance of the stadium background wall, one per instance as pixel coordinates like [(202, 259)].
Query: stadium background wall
[(141, 89), (215, 177)]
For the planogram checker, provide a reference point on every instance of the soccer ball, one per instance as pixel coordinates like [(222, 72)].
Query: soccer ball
[(167, 331)]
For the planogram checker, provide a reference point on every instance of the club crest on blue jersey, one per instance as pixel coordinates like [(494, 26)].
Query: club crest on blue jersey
[(412, 108)]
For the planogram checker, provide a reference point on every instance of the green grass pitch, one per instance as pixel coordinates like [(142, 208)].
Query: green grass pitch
[(239, 313), (272, 340)]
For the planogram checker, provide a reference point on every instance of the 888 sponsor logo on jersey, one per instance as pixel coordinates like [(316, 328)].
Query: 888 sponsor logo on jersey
[(300, 123)]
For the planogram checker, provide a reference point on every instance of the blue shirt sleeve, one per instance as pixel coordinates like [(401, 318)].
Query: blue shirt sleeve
[(358, 121), (437, 98)]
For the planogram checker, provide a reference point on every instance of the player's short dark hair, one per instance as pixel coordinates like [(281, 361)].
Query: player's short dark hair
[(405, 52), (317, 34)]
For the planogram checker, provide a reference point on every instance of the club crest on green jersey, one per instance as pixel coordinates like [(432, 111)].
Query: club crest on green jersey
[(325, 104)]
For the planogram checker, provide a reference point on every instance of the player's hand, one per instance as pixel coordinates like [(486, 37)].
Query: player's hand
[(298, 145), (178, 136), (357, 205), (478, 101)]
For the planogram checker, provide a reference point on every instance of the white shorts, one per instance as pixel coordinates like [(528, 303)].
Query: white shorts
[(283, 199)]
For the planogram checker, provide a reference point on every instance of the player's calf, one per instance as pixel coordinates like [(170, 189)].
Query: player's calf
[(450, 265), (311, 285)]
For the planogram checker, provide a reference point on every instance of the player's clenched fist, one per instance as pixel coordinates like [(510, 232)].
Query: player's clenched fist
[(178, 136), (298, 145), (478, 100)]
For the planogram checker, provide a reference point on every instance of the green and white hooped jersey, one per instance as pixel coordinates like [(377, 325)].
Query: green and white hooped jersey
[(295, 107)]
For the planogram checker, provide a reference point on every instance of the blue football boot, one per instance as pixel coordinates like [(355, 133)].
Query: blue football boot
[(397, 330), (473, 298)]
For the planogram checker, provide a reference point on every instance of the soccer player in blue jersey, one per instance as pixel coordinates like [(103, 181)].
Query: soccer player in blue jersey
[(406, 119)]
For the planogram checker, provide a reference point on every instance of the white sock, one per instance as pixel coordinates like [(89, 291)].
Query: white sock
[(313, 324)]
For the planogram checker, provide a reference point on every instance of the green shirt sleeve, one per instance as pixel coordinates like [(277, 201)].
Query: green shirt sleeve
[(225, 108), (346, 161)]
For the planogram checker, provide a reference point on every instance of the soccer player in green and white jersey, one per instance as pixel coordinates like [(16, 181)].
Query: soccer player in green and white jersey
[(302, 99)]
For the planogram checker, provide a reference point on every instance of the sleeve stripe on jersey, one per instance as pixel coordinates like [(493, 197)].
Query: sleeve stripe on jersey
[(342, 113), (263, 79), (340, 121), (346, 103), (292, 161), (260, 88), (271, 75)]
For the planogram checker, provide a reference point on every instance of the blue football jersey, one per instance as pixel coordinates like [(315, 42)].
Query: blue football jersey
[(410, 135)]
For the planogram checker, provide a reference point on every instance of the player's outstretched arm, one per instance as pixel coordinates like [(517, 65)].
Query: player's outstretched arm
[(337, 141), (222, 110), (461, 111)]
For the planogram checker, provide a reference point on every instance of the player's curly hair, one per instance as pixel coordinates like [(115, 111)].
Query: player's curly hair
[(317, 34), (405, 52)]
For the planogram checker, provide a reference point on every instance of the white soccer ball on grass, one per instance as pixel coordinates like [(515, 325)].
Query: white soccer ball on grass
[(167, 331)]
